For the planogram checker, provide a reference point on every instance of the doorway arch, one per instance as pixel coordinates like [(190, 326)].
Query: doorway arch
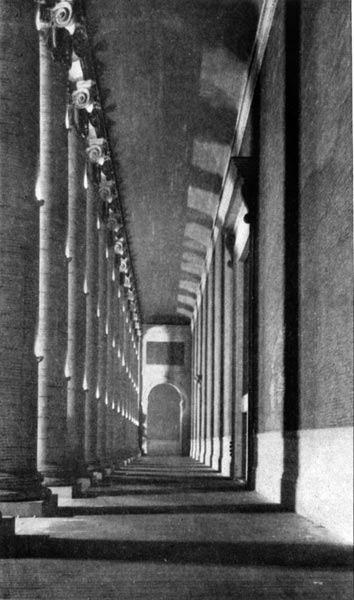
[(177, 397), (164, 421)]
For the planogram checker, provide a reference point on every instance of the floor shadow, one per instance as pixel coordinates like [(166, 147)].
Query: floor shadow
[(186, 484), (71, 511), (300, 555), (157, 491)]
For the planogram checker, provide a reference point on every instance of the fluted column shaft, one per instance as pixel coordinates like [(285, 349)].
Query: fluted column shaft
[(116, 360), (102, 346), (199, 384), (218, 294), (109, 363), (209, 366), (91, 357), (228, 365), (129, 366), (19, 233), (136, 379), (193, 394), (76, 306), (119, 350), (52, 326), (124, 358), (204, 379)]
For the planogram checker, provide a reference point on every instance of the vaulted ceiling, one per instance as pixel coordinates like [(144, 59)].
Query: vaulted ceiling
[(171, 75)]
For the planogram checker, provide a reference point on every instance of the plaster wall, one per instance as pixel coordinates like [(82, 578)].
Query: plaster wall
[(306, 445), (326, 217)]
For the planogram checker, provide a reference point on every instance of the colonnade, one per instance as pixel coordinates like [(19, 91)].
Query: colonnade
[(219, 403), (69, 315)]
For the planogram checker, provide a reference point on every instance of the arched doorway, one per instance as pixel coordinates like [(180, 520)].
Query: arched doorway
[(164, 421)]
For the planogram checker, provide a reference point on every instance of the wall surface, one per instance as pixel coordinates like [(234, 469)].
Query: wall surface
[(305, 316), (326, 218)]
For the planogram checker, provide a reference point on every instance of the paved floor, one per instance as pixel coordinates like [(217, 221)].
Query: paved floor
[(167, 529)]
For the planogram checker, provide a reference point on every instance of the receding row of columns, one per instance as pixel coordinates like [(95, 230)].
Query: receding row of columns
[(70, 354), (213, 364)]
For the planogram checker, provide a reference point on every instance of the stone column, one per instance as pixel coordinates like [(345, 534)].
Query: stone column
[(134, 397), (52, 327), (91, 328), (102, 346), (199, 382), (76, 306), (228, 364), (109, 360), (123, 383), (193, 395), (238, 383), (209, 366), (142, 413), (218, 294), (129, 364), (123, 359), (119, 350), (19, 236), (116, 376), (203, 373), (126, 381), (116, 370), (136, 392)]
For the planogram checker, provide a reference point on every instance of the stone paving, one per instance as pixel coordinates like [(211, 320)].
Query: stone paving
[(167, 529)]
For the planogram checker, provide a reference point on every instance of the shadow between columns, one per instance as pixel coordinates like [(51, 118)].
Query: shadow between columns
[(300, 555)]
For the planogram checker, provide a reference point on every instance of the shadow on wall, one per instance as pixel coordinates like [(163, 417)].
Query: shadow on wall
[(291, 415)]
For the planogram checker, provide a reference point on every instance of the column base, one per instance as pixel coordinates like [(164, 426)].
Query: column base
[(7, 526), (66, 491), (196, 452), (30, 508), (7, 535), (22, 487), (97, 477), (201, 452), (59, 482), (207, 456), (84, 483), (226, 456), (216, 456)]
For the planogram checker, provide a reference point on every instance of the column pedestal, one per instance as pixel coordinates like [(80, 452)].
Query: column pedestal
[(30, 508)]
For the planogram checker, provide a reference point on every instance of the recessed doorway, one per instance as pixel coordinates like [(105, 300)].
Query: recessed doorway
[(164, 421)]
